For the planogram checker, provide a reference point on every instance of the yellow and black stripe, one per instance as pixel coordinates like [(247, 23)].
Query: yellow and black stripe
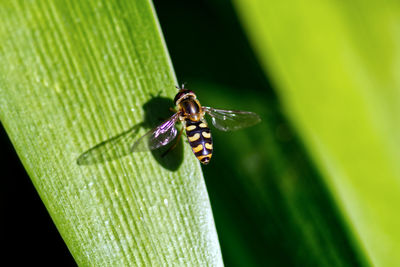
[(200, 139)]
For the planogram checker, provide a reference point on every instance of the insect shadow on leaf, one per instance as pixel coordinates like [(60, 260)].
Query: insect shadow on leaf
[(156, 110)]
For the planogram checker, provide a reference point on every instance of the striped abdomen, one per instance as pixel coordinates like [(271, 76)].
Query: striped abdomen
[(200, 140)]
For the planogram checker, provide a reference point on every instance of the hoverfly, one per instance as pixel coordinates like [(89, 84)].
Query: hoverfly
[(192, 115)]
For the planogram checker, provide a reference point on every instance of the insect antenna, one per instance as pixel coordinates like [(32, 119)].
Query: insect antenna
[(180, 88)]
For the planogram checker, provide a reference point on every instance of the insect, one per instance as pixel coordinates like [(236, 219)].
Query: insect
[(192, 115)]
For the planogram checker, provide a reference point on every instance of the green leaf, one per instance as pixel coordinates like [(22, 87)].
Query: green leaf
[(335, 65), (79, 76)]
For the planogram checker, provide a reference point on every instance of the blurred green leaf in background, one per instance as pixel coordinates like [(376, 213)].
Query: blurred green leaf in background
[(336, 68)]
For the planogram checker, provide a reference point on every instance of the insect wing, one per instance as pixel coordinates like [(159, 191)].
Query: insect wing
[(157, 137), (231, 120)]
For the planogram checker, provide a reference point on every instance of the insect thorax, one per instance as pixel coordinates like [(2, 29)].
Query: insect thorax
[(191, 109)]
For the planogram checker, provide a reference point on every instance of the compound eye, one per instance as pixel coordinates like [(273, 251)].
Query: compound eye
[(178, 96), (181, 95)]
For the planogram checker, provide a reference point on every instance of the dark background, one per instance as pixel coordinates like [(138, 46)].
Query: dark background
[(269, 203)]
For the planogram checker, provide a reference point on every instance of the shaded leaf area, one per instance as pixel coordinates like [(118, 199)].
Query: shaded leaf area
[(270, 204), (74, 75), (122, 144)]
